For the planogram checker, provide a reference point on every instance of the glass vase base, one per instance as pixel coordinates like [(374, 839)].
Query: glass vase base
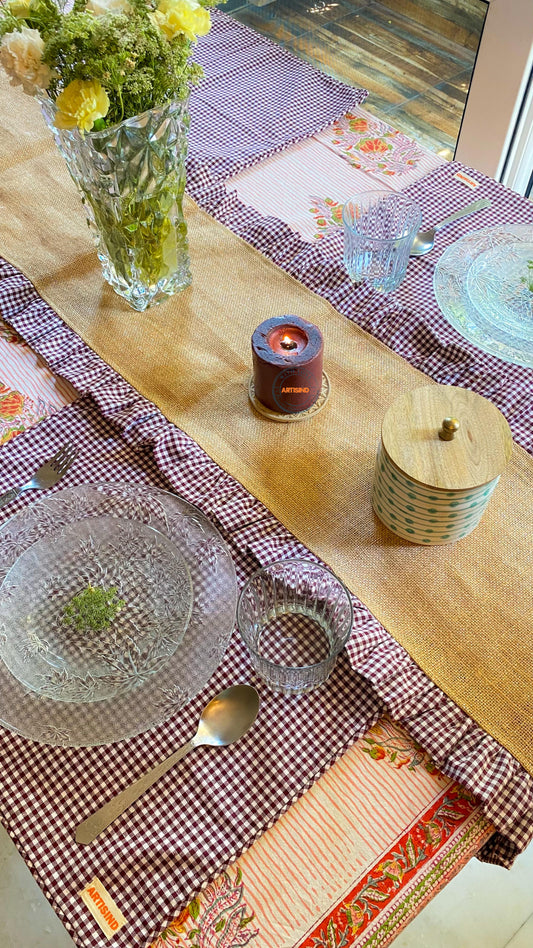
[(140, 296)]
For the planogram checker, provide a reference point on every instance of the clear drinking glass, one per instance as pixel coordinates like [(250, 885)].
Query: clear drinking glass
[(379, 229), (295, 617)]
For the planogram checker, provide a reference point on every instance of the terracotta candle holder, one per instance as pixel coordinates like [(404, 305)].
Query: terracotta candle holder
[(287, 354)]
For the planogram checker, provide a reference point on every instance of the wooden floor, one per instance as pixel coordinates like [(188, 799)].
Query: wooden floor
[(415, 57)]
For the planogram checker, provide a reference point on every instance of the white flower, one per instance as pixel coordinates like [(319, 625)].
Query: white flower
[(101, 7), (20, 55)]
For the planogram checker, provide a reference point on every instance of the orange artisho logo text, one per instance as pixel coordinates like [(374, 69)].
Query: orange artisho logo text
[(293, 391), (103, 909)]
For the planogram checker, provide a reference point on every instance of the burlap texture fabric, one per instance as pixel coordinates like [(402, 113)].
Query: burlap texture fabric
[(462, 611)]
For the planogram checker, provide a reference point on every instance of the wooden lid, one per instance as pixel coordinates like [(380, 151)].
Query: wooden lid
[(471, 448)]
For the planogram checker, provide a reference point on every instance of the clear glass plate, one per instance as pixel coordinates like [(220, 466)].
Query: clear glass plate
[(94, 658), (479, 286), (186, 641)]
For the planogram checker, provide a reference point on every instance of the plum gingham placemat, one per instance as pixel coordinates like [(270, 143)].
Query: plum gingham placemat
[(203, 814), (409, 320), (255, 99)]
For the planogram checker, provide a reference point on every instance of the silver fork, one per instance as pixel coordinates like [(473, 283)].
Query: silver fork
[(48, 474)]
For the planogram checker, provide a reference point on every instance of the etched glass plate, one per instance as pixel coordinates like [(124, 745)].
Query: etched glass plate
[(88, 657), (183, 660), (481, 286)]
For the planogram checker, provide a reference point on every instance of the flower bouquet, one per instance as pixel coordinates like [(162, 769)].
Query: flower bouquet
[(113, 79)]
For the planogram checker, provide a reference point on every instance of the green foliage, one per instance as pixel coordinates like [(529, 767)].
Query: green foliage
[(93, 609), (140, 231), (132, 60), (43, 15), (126, 52), (528, 280), (8, 23)]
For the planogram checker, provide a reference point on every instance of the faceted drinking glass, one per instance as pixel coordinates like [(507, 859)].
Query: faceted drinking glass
[(295, 617), (379, 230)]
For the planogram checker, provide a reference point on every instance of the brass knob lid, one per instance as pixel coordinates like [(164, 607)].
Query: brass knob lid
[(449, 427), (414, 436)]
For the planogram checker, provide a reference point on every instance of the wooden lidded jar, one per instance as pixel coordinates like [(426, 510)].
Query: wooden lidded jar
[(441, 455)]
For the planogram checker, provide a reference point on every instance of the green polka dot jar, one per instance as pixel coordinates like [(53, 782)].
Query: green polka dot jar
[(441, 455)]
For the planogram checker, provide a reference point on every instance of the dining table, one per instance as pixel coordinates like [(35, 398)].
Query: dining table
[(343, 811)]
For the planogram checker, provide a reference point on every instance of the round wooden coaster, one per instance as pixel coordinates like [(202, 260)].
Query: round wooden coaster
[(296, 416)]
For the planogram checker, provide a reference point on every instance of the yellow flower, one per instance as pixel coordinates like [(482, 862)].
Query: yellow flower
[(182, 16), (102, 7), (19, 8), (81, 103), (20, 56)]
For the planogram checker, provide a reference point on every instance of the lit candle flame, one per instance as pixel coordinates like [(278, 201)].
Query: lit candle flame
[(288, 343)]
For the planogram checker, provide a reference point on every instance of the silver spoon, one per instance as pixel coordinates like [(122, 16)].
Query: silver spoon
[(224, 720), (425, 239)]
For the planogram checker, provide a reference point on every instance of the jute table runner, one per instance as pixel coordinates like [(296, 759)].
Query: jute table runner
[(462, 611)]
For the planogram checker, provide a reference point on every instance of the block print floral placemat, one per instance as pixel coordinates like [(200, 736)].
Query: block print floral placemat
[(246, 904), (307, 185), (17, 412), (29, 392), (372, 145)]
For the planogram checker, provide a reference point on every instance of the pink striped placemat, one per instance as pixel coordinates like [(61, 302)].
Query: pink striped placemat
[(307, 185), (48, 790)]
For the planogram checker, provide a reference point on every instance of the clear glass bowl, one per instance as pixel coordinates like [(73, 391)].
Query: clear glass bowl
[(481, 285), (94, 656), (182, 666), (295, 617)]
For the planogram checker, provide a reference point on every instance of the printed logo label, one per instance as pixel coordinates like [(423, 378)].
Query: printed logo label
[(284, 390), (102, 907), (466, 179)]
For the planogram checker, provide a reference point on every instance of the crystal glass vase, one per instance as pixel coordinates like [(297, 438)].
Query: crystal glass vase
[(131, 178)]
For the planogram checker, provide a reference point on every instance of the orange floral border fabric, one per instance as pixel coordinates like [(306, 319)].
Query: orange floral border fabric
[(412, 867), (17, 412), (372, 145)]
